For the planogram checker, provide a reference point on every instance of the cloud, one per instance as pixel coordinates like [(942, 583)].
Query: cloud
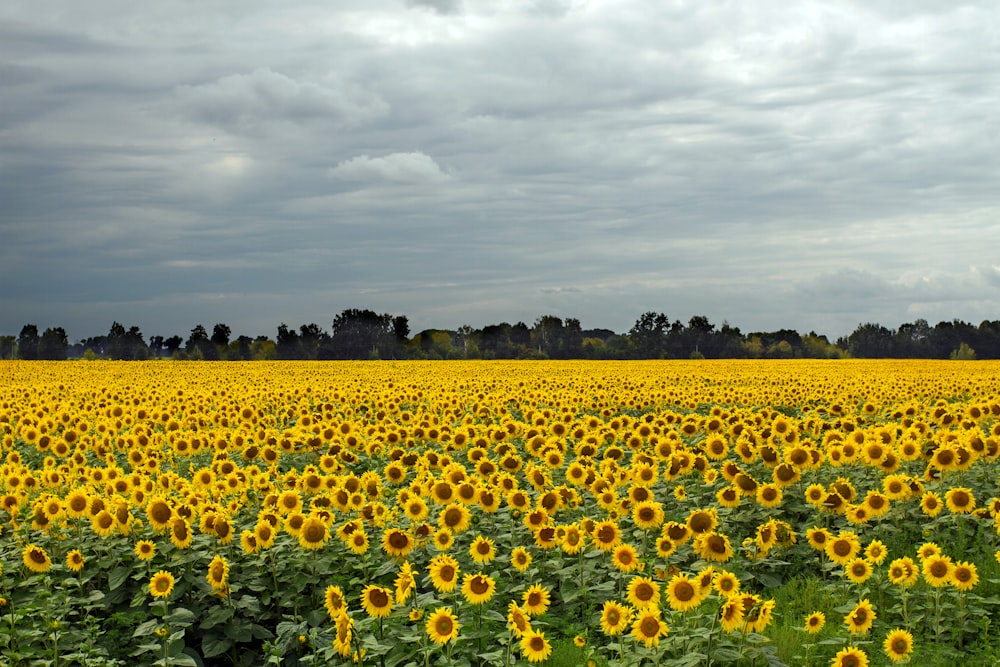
[(412, 168), (237, 101), (439, 6)]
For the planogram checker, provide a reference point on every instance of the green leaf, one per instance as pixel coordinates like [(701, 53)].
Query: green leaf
[(118, 576), (212, 646), (147, 628)]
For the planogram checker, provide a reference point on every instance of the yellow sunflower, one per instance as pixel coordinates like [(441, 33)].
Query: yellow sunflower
[(898, 645), (535, 600), (682, 593), (643, 592), (218, 574), (478, 588), (615, 617), (376, 601), (625, 558), (482, 549), (161, 584), (36, 559), (75, 560), (964, 576), (648, 627), (535, 647), (815, 622), (850, 656), (333, 601), (397, 543), (442, 625), (860, 619), (444, 572)]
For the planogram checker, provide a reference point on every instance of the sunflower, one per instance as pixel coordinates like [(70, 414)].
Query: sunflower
[(960, 500), (760, 616), (625, 558), (615, 617), (161, 584), (343, 640), (815, 622), (444, 572), (728, 496), (903, 572), (397, 543), (404, 583), (876, 552), (478, 588), (731, 613), (714, 547), (518, 622), (218, 574), (928, 549), (850, 656), (520, 559), (333, 600), (442, 625), (843, 548), (937, 570), (535, 600), (180, 533), (648, 627), (415, 508), (643, 592), (964, 576), (443, 539), (769, 495), (102, 523), (456, 517), (702, 521), (606, 535), (647, 515), (376, 601), (36, 559), (858, 570), (535, 647), (573, 539), (682, 593), (482, 549), (75, 560), (145, 549), (818, 538), (898, 645), (357, 542), (726, 583), (860, 619), (265, 534), (159, 512)]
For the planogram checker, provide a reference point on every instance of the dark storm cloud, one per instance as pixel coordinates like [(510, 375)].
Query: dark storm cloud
[(809, 165)]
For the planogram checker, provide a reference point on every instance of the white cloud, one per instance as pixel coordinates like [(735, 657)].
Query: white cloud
[(414, 168)]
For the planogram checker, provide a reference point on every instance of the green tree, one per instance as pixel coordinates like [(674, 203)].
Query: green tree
[(649, 335), (54, 344)]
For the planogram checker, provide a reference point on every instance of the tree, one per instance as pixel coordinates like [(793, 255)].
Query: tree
[(172, 344), (27, 342), (8, 346), (54, 344), (871, 341), (199, 345), (287, 344), (364, 334), (220, 335), (649, 335)]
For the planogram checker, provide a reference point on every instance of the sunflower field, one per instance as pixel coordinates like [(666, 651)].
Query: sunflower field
[(404, 514)]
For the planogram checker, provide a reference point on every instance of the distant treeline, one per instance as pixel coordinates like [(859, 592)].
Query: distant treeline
[(364, 334)]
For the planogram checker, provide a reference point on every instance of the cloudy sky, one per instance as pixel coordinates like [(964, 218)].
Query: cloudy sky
[(809, 165)]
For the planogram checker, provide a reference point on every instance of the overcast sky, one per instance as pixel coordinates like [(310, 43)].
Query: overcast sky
[(805, 165)]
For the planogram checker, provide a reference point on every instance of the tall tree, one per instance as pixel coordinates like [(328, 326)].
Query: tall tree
[(649, 335), (27, 342), (54, 344), (220, 335), (364, 334)]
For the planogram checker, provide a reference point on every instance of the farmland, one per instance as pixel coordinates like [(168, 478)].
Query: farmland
[(498, 513)]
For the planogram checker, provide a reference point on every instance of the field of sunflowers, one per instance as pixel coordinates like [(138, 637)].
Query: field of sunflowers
[(396, 514)]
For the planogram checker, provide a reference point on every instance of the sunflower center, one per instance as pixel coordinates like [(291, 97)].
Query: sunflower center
[(684, 591), (479, 585)]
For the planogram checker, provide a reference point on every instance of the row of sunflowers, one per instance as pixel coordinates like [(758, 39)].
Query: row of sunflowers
[(498, 513)]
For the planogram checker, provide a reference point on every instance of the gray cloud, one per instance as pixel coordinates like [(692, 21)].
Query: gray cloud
[(808, 165)]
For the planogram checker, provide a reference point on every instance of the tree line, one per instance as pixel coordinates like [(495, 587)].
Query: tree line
[(364, 334)]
